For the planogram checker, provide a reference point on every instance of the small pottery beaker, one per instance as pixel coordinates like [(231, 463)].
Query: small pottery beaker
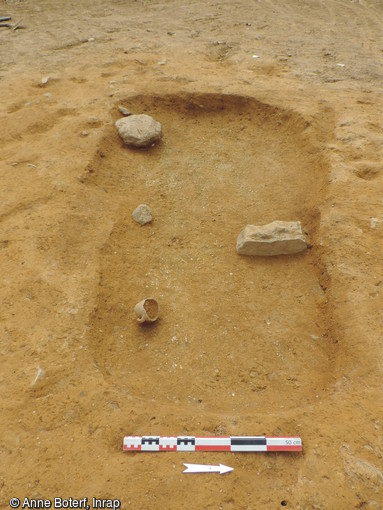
[(147, 310)]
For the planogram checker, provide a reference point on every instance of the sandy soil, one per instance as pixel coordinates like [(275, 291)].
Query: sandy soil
[(283, 346)]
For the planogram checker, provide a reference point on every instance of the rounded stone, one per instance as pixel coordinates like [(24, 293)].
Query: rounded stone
[(142, 214), (139, 130)]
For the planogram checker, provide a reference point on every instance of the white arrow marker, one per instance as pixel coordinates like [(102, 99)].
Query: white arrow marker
[(206, 468)]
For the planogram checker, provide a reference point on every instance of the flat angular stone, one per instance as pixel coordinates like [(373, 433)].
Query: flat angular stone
[(276, 238), (139, 130)]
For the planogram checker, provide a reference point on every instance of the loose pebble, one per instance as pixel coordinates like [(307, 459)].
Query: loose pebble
[(142, 214), (374, 222), (124, 110)]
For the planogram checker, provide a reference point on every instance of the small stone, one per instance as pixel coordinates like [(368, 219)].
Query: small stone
[(94, 121), (374, 222), (142, 214), (139, 130), (276, 238), (45, 80), (84, 133), (124, 110)]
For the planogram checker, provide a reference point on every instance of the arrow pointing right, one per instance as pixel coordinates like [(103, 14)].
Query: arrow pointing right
[(207, 468)]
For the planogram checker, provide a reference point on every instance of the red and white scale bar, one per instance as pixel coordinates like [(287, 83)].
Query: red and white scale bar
[(212, 444)]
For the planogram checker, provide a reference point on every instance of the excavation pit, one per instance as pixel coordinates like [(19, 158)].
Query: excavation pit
[(233, 329)]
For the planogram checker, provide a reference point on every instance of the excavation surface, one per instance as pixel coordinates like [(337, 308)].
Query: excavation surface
[(270, 111)]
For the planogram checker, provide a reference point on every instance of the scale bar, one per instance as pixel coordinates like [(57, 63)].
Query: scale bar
[(211, 444)]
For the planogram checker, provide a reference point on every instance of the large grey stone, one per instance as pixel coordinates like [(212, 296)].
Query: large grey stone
[(276, 238), (139, 130)]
